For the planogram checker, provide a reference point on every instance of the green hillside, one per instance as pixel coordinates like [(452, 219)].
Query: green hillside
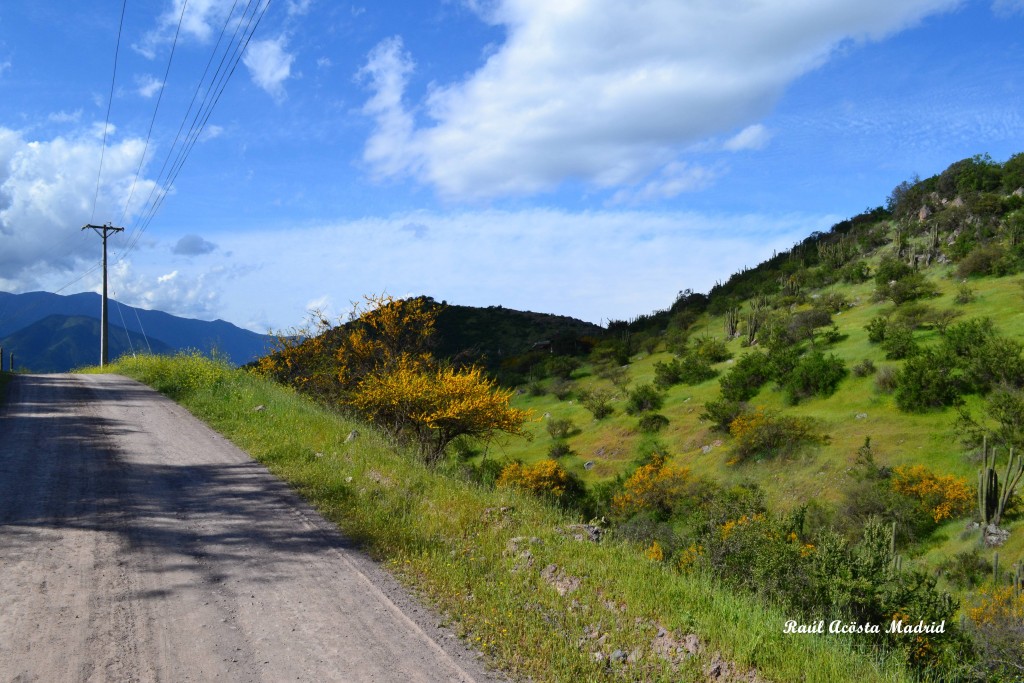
[(810, 432), (962, 229)]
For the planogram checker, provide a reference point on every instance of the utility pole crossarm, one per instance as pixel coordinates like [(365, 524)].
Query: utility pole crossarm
[(103, 231)]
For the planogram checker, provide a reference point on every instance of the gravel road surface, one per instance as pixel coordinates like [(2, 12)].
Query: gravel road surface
[(138, 545)]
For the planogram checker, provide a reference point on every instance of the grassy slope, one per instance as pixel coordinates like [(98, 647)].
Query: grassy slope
[(450, 540), (897, 438)]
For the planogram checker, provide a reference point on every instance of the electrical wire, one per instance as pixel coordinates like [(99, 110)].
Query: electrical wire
[(251, 18), (110, 103), (156, 109)]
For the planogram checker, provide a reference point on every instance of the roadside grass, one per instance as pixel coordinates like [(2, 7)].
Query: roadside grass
[(491, 561)]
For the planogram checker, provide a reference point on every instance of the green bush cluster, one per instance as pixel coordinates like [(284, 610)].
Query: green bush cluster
[(690, 368), (644, 399), (971, 358), (746, 377), (814, 375)]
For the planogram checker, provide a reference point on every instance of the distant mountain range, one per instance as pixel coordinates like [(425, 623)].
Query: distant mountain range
[(54, 333)]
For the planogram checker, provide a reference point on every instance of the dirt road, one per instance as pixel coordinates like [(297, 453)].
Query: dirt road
[(138, 545)]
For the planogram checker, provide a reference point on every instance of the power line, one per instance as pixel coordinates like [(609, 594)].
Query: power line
[(251, 17), (156, 109), (246, 27), (110, 103)]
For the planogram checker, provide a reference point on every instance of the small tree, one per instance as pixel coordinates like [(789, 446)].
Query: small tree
[(598, 402), (645, 398), (433, 406)]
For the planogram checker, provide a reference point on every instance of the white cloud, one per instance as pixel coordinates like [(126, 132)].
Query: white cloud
[(211, 132), (593, 265), (608, 92), (269, 64), (388, 69), (751, 137), (1006, 8), (674, 179), (201, 18), (189, 295), (65, 116), (4, 67), (299, 7), (148, 86), (47, 188)]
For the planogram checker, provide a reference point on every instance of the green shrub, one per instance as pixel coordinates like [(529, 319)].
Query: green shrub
[(998, 361), (891, 269), (834, 302), (691, 368), (746, 377), (803, 324), (560, 428), (711, 349), (598, 402), (964, 294), (984, 259), (864, 368), (963, 338), (652, 422), (855, 272), (928, 380), (899, 342), (722, 412), (561, 388), (967, 569), (696, 369), (876, 329), (814, 375), (782, 361), (559, 449), (668, 373), (561, 366), (612, 351), (908, 288), (645, 398)]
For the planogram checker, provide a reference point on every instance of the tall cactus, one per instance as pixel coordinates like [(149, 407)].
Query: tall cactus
[(993, 499), (732, 321)]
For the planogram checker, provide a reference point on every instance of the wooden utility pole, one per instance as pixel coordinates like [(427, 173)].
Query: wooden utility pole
[(103, 231)]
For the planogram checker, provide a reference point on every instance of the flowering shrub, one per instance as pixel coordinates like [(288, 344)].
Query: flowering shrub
[(544, 478), (379, 364), (763, 434), (997, 624), (436, 405), (943, 497), (654, 487)]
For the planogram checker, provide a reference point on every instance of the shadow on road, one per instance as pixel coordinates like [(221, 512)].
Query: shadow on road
[(151, 481)]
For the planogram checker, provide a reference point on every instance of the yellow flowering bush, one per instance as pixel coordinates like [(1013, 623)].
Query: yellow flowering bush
[(943, 497), (997, 624), (545, 478), (759, 433), (379, 364), (653, 487)]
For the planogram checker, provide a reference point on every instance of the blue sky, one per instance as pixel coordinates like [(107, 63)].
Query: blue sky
[(579, 157)]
